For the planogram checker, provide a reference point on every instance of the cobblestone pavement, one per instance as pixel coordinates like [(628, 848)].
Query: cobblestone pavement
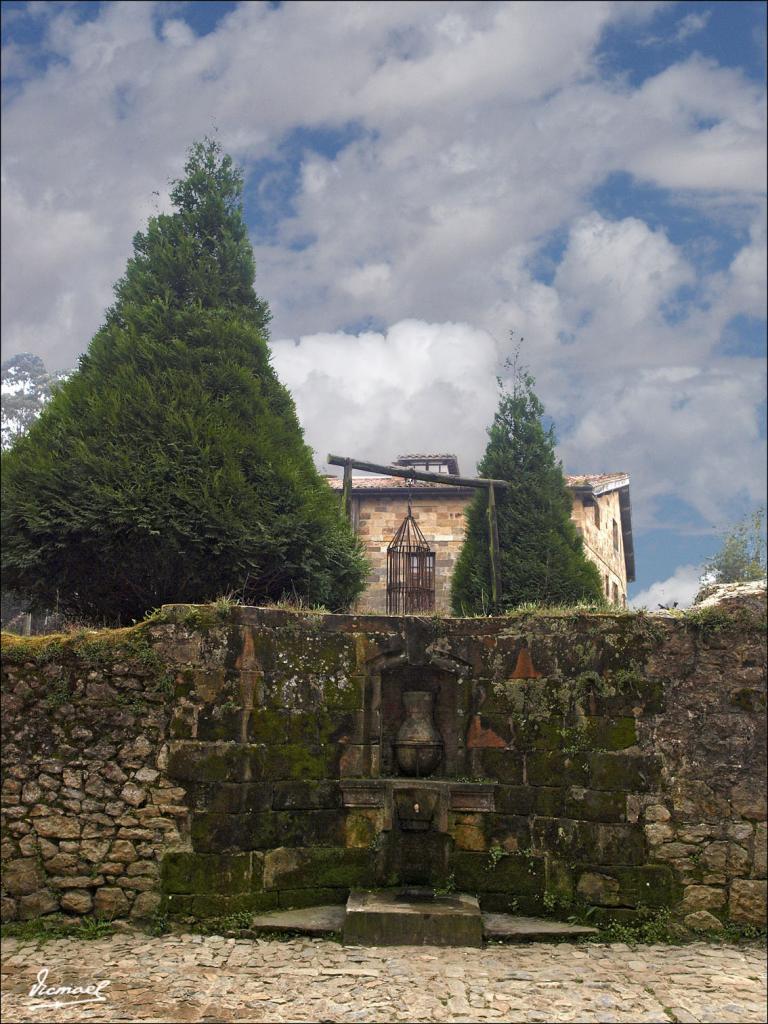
[(186, 978)]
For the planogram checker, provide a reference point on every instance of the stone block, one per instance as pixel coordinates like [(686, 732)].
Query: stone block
[(37, 904), (595, 805), (747, 903), (702, 897), (8, 909), (301, 761), (467, 831), (725, 858), (694, 800), (611, 733), (110, 902), (145, 906), (76, 901), (628, 773), (512, 832), (229, 797), (22, 876), (58, 827), (702, 921), (306, 795), (361, 827), (656, 813), (298, 898), (748, 799), (514, 799), (193, 761), (224, 723), (318, 867), (64, 864), (556, 769), (383, 919), (203, 906), (549, 801), (595, 842), (599, 889), (124, 851), (516, 874), (504, 765), (184, 872), (646, 885)]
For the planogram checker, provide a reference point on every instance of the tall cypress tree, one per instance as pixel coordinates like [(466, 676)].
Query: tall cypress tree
[(541, 551), (171, 466)]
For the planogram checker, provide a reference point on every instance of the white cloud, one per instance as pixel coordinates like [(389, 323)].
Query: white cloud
[(483, 129), (375, 396), (681, 587)]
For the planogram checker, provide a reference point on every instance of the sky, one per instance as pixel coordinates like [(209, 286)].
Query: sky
[(425, 184)]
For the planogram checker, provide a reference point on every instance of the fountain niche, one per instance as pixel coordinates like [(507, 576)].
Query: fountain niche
[(415, 724)]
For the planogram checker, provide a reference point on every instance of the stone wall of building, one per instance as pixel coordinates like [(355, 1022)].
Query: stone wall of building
[(194, 765), (440, 515), (603, 541)]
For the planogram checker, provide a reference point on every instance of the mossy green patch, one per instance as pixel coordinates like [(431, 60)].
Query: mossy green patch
[(556, 769), (321, 867), (296, 898), (216, 907), (611, 733), (187, 873), (515, 873)]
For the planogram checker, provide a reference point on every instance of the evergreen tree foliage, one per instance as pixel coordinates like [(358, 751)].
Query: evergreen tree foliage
[(171, 466), (541, 551)]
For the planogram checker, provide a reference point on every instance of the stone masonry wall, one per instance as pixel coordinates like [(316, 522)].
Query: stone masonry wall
[(441, 515), (599, 543), (192, 765), (441, 518)]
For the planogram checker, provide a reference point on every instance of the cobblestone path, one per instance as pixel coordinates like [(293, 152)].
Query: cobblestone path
[(185, 978)]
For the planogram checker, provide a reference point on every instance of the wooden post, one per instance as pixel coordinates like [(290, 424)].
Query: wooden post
[(346, 492), (493, 537)]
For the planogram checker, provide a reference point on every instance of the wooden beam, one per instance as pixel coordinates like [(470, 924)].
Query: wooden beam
[(495, 553), (346, 492), (414, 474)]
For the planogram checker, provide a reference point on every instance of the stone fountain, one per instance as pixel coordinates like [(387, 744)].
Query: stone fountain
[(414, 723)]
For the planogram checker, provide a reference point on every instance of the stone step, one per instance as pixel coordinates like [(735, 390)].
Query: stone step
[(512, 928), (412, 918), (326, 920), (387, 920)]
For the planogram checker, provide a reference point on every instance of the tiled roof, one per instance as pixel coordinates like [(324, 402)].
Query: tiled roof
[(594, 479)]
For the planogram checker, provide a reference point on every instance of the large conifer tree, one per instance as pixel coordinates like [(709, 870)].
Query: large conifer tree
[(541, 552), (171, 466)]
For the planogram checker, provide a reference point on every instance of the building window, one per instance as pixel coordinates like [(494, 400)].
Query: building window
[(591, 503), (607, 586), (615, 536), (615, 594)]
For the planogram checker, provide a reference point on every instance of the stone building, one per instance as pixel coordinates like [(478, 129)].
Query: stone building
[(601, 512)]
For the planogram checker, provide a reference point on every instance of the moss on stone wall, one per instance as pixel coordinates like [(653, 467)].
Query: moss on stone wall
[(617, 759)]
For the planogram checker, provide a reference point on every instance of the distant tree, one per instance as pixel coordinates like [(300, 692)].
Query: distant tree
[(541, 551), (742, 556), (171, 466)]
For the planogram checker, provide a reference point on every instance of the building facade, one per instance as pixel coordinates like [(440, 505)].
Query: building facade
[(601, 513)]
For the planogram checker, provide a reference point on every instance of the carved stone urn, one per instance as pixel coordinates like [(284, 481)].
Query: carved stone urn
[(418, 745)]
